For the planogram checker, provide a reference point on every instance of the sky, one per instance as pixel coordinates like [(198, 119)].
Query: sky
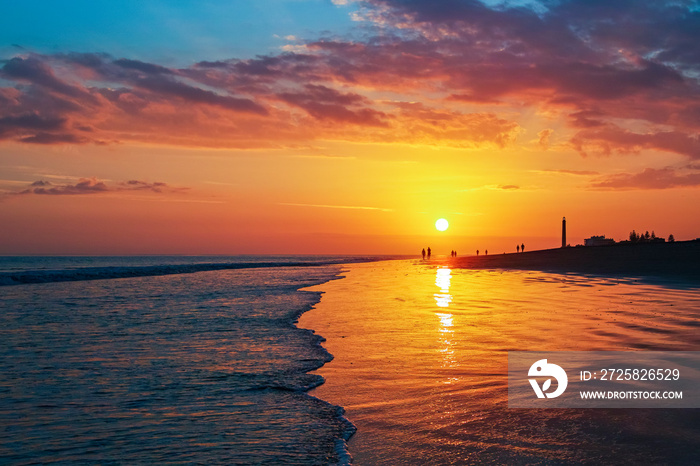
[(345, 126)]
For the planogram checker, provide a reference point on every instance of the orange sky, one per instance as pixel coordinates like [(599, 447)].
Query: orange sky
[(354, 145)]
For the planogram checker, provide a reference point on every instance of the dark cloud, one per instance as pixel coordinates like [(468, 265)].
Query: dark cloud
[(95, 186), (34, 70), (473, 99), (172, 88), (611, 140), (586, 119), (650, 178), (325, 103), (54, 138), (138, 185), (29, 121), (84, 186), (146, 68)]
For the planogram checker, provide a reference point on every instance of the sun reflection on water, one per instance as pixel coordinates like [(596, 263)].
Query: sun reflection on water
[(446, 330), (442, 280)]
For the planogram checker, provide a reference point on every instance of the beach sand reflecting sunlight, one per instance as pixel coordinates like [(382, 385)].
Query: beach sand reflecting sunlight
[(421, 361)]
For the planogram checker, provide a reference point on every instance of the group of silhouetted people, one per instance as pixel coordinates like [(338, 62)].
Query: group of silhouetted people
[(427, 254), (453, 253)]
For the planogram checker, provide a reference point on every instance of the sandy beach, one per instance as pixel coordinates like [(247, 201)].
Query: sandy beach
[(678, 260), (421, 357)]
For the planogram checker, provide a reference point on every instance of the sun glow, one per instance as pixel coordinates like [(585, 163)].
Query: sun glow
[(442, 224)]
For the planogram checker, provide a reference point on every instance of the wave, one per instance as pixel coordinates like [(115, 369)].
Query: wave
[(111, 272)]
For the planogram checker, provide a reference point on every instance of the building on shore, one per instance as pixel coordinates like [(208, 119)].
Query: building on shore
[(598, 241), (563, 232)]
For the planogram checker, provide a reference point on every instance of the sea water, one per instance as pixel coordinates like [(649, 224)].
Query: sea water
[(138, 360), (421, 361)]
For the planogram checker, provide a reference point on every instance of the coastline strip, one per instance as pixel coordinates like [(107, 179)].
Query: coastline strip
[(678, 260)]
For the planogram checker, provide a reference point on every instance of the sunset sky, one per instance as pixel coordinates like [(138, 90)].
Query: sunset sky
[(319, 126)]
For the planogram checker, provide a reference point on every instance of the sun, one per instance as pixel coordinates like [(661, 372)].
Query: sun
[(442, 224)]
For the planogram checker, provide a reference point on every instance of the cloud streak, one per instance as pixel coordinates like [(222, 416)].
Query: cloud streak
[(325, 206)]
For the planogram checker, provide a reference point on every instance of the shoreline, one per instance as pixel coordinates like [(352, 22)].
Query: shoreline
[(348, 429), (678, 260), (420, 356)]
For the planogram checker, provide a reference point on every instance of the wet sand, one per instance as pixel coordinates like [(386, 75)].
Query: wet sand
[(421, 361), (678, 260)]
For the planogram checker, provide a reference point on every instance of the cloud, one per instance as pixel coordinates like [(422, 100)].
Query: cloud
[(33, 70), (624, 75), (570, 172), (650, 178), (493, 187), (614, 140), (94, 186), (416, 122), (29, 122), (138, 185), (543, 140), (325, 206), (84, 186), (53, 138), (324, 103)]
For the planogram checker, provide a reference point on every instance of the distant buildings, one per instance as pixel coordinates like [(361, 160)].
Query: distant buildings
[(598, 241), (601, 240)]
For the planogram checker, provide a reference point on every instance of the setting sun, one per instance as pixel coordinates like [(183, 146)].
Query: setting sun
[(442, 224)]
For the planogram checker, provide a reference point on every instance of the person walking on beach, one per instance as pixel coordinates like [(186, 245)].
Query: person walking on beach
[(522, 247), (477, 252), (517, 248), (423, 252), (486, 252), (428, 252)]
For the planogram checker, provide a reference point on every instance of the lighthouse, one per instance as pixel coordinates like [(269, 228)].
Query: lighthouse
[(563, 232)]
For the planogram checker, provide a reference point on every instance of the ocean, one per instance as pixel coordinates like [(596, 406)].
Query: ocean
[(137, 360), (209, 360)]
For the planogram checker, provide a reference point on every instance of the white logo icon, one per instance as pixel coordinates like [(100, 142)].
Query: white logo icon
[(543, 369)]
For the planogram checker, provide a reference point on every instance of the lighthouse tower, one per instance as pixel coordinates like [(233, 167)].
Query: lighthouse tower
[(563, 232)]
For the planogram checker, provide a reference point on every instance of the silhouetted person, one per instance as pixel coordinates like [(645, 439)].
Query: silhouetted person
[(423, 252), (486, 253), (455, 253), (477, 252), (517, 248), (522, 247), (428, 252)]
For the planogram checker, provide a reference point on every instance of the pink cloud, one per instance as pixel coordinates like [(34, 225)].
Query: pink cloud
[(650, 178)]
